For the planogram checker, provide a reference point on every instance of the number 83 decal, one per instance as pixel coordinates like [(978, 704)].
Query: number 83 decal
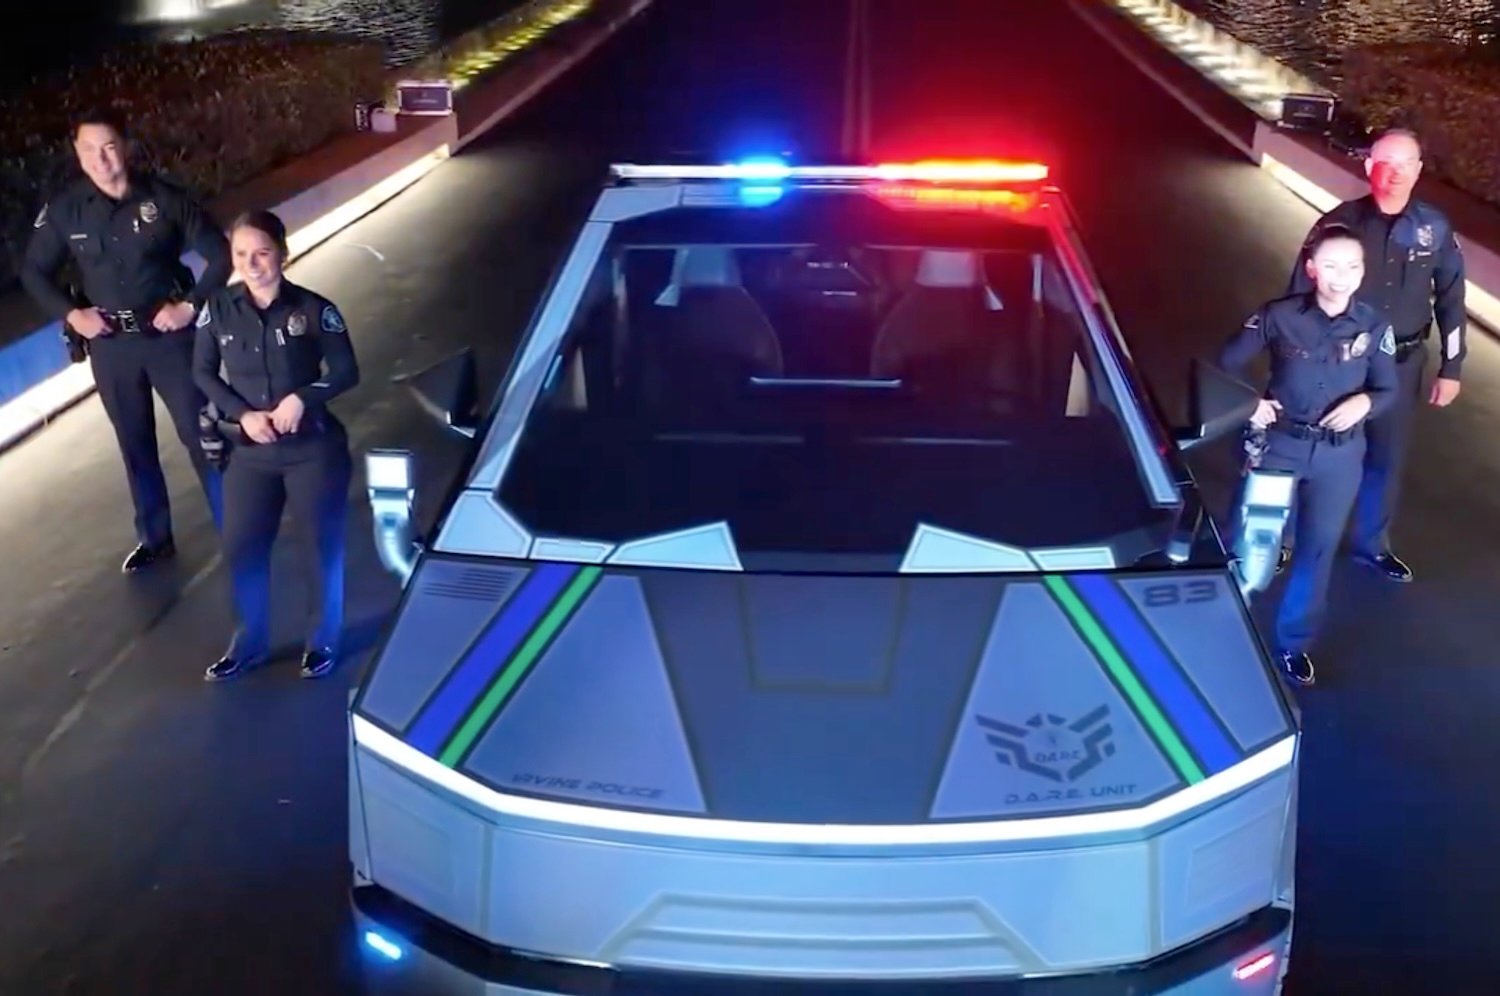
[(1181, 593)]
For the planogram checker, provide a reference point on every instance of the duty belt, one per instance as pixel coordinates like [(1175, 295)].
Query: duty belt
[(129, 323), (1316, 433), (313, 425), (1406, 347)]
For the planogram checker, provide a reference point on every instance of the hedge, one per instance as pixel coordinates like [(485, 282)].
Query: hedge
[(209, 114), (1448, 94)]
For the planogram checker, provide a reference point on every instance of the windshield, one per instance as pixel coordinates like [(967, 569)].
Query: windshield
[(825, 399)]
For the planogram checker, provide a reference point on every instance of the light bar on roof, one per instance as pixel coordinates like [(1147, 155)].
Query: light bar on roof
[(930, 171)]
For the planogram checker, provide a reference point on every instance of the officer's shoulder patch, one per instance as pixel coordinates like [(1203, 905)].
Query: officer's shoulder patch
[(41, 218), (1388, 341), (204, 315), (332, 321), (1433, 216)]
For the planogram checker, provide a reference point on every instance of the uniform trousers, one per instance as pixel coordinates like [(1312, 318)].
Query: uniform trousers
[(310, 472), (1388, 440), (1327, 475), (127, 367)]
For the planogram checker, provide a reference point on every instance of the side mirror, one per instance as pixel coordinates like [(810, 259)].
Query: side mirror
[(449, 392), (390, 479), (1218, 404), (1185, 529), (1265, 506)]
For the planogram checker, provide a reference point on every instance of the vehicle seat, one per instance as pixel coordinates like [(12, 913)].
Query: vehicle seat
[(946, 331), (706, 336)]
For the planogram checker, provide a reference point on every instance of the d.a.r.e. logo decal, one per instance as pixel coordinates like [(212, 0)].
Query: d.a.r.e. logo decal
[(1052, 747)]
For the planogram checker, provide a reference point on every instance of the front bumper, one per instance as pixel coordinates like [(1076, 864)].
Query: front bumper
[(408, 952)]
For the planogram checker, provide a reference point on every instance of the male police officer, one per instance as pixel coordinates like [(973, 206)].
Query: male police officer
[(1412, 257), (127, 232), (1332, 366)]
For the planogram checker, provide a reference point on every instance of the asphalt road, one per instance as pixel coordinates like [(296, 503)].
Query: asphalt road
[(159, 835)]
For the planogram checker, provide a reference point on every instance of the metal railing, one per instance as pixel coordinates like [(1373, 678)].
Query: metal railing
[(1254, 78)]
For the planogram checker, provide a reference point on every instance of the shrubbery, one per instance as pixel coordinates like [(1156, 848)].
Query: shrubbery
[(209, 114), (1448, 94)]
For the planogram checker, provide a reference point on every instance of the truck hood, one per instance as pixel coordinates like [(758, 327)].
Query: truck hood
[(825, 699)]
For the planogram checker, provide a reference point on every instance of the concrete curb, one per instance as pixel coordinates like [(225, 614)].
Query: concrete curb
[(37, 383)]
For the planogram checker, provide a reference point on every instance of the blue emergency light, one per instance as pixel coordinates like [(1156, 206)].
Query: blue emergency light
[(383, 946)]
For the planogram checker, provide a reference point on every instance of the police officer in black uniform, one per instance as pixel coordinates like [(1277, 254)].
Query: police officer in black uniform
[(285, 354), (1332, 368), (127, 232), (1413, 266)]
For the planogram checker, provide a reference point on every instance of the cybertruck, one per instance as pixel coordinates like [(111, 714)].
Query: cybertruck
[(826, 600)]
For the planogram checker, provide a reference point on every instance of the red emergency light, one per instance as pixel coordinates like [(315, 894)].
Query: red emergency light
[(1255, 967), (935, 198), (981, 171)]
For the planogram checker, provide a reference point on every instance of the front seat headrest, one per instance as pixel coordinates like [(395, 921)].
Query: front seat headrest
[(700, 266), (949, 269)]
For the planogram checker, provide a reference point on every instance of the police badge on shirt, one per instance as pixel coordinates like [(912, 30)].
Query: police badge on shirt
[(1426, 240)]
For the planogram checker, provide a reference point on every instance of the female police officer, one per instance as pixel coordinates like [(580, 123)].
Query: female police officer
[(1333, 365), (285, 354)]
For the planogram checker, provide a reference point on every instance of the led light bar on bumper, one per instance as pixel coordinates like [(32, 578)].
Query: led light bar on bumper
[(394, 750), (409, 952)]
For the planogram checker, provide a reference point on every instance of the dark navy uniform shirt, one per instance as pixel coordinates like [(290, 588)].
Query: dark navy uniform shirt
[(129, 252), (1318, 361), (1413, 268), (299, 345)]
